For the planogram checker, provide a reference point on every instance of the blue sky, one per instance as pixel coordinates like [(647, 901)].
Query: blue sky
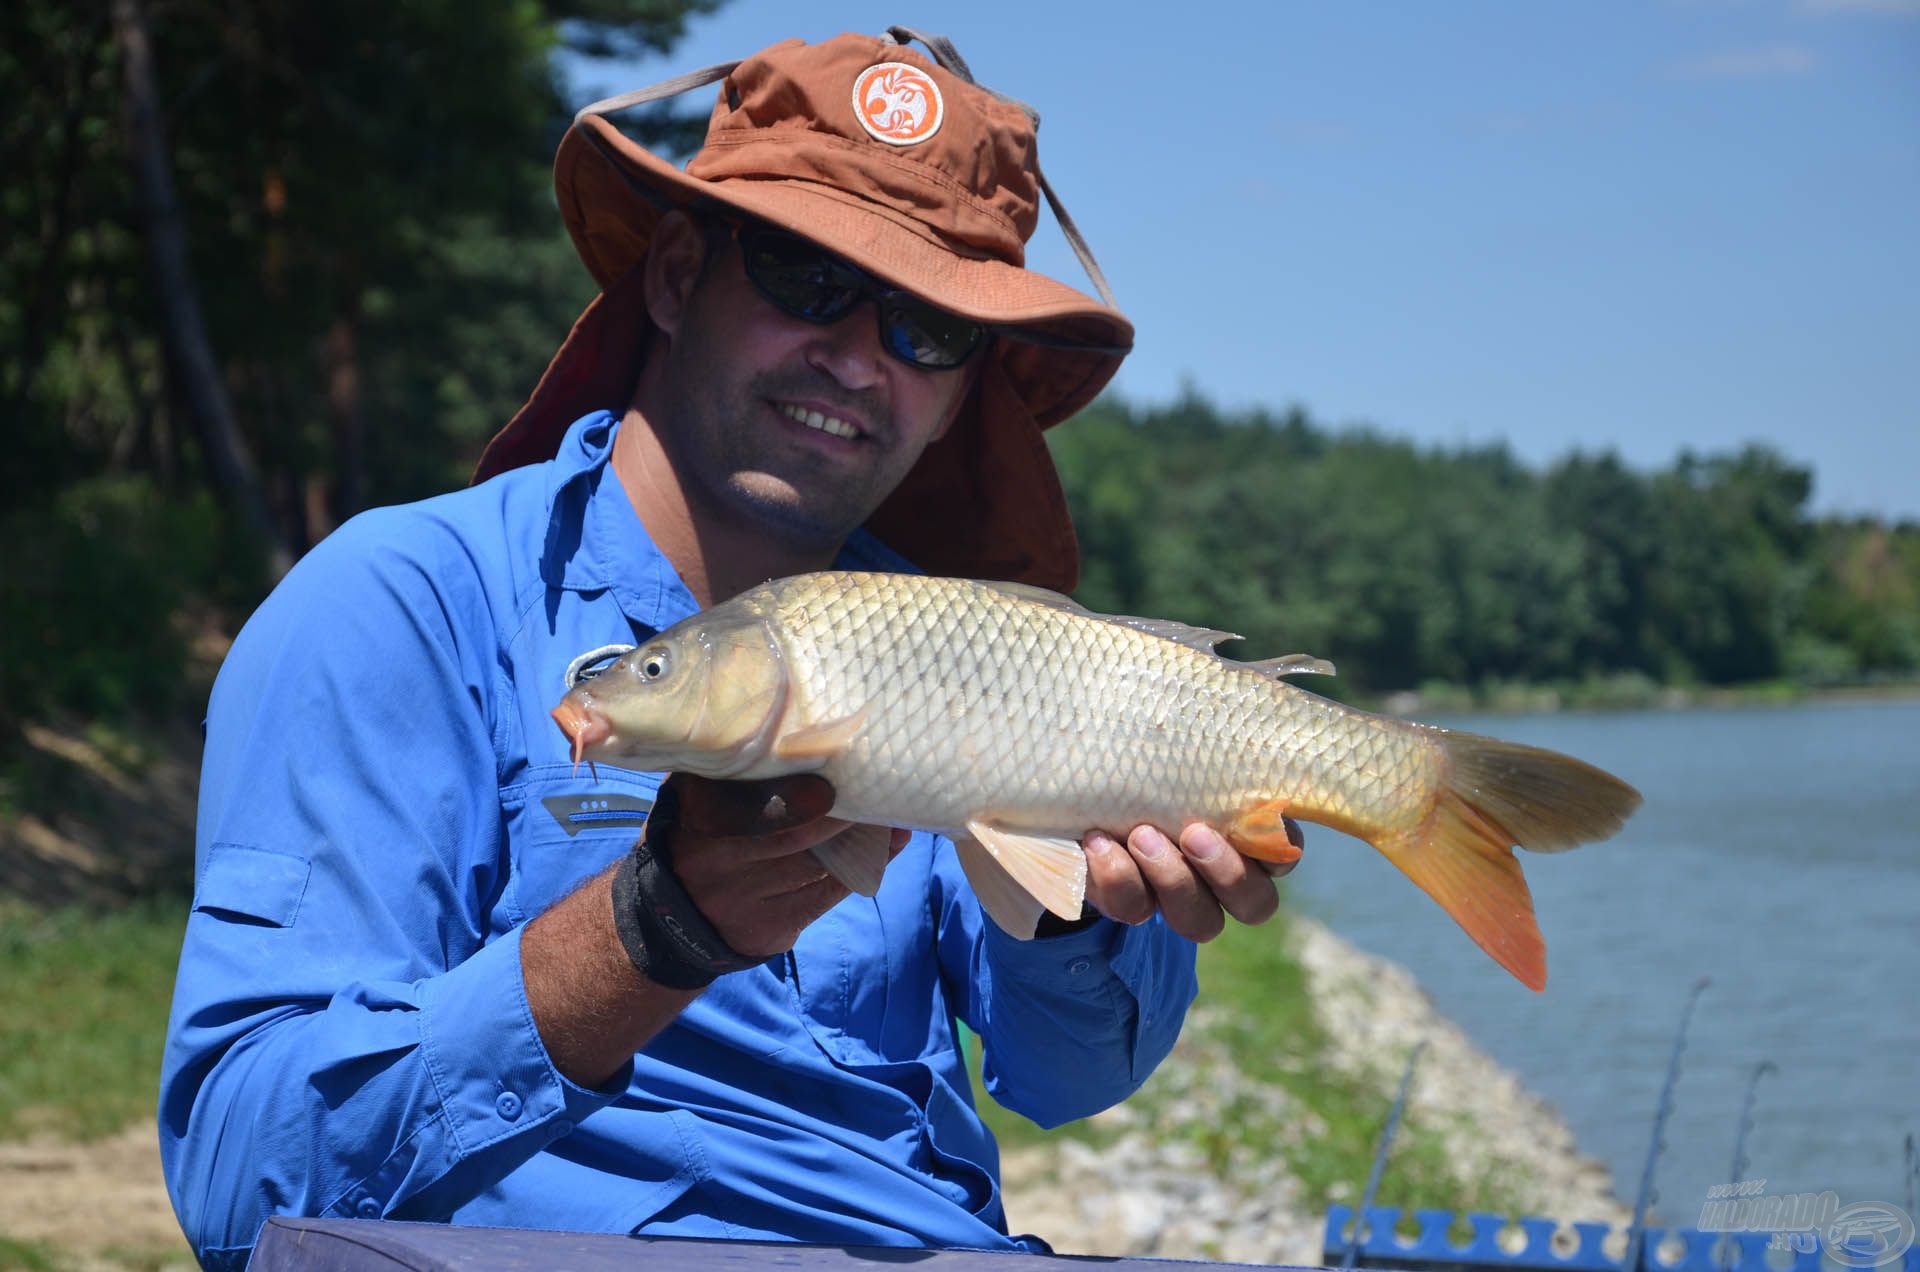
[(1644, 226)]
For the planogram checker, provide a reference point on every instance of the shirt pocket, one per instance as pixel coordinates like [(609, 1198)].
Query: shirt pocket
[(248, 884), (563, 828)]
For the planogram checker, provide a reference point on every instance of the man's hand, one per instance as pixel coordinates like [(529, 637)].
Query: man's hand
[(1196, 884), (740, 851)]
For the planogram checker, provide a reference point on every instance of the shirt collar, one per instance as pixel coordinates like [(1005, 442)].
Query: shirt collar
[(595, 542)]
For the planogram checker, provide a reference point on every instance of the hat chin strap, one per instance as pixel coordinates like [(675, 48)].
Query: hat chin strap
[(944, 53), (655, 92)]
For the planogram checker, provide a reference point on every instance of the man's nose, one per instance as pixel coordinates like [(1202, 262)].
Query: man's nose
[(849, 348)]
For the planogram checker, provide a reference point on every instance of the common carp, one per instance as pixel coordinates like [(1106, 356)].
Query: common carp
[(1013, 720)]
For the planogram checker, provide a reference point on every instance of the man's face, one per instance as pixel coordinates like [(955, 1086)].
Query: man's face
[(800, 427)]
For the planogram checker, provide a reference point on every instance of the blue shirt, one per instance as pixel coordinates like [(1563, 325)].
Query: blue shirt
[(385, 803)]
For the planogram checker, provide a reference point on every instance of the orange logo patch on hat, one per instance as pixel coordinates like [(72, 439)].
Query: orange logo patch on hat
[(897, 103)]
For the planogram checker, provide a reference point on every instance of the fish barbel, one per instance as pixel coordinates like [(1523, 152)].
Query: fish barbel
[(1014, 721)]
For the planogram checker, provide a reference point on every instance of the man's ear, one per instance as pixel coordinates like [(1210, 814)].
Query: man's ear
[(672, 269), (959, 403)]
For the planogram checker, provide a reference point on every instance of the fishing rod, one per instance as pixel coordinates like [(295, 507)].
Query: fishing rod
[(1380, 1158), (1729, 1249), (1637, 1232)]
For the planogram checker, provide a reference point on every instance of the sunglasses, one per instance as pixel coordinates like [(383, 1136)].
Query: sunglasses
[(808, 282)]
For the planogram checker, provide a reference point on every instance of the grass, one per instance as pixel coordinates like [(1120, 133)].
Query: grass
[(84, 996), (1252, 1088), (39, 1256), (83, 1009), (1264, 1020), (27, 1256)]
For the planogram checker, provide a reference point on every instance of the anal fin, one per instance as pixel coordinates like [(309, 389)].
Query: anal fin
[(1260, 832), (1053, 870)]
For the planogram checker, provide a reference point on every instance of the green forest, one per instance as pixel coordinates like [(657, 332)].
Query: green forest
[(263, 266), (1463, 569)]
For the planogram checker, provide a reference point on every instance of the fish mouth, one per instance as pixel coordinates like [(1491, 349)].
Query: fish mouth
[(583, 726)]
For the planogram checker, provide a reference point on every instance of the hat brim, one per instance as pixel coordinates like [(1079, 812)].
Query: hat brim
[(1059, 346)]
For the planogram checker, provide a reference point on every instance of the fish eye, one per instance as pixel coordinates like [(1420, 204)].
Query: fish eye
[(653, 664)]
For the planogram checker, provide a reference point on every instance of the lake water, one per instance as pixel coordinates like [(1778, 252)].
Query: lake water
[(1779, 854)]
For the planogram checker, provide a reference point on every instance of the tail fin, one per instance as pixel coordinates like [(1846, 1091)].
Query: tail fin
[(1494, 795)]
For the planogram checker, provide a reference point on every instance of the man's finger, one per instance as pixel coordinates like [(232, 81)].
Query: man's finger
[(760, 866), (1114, 885), (775, 923), (1247, 893), (737, 810), (1185, 902)]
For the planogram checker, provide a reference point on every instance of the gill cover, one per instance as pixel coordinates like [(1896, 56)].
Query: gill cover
[(704, 696)]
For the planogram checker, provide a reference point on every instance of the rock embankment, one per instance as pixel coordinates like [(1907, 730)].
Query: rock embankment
[(1154, 1191)]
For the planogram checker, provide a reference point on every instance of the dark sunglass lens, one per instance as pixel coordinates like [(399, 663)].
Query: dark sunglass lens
[(811, 283), (926, 336), (799, 277)]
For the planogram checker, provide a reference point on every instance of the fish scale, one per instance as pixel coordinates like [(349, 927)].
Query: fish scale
[(1015, 721), (1103, 725)]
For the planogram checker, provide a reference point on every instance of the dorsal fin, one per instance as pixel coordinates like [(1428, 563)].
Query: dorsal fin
[(1293, 665), (1038, 595), (1200, 638)]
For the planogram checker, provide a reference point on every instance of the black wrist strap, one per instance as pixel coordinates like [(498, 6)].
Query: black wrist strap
[(1051, 924), (669, 941)]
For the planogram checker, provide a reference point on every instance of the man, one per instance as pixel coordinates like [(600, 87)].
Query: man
[(419, 981)]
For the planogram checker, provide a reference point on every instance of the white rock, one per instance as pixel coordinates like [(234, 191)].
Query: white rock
[(1151, 1194)]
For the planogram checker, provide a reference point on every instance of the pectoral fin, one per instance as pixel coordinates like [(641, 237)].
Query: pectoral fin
[(857, 856), (820, 741), (1011, 907), (1261, 832), (1053, 870)]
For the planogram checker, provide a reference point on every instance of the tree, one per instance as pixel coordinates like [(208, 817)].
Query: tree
[(304, 256), (1405, 565)]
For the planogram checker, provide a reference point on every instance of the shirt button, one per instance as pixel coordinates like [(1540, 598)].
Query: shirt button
[(367, 1208), (507, 1105), (1079, 965)]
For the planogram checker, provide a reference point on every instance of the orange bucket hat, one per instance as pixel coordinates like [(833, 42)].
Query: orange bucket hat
[(906, 167)]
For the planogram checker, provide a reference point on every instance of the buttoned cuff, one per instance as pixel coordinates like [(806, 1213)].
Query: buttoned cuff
[(1062, 963), (488, 1062), (1156, 964)]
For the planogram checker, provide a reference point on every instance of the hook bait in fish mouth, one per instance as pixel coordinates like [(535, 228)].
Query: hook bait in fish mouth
[(584, 727)]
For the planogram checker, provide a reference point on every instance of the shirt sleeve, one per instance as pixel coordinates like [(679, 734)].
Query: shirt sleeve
[(344, 1039), (1069, 1025)]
